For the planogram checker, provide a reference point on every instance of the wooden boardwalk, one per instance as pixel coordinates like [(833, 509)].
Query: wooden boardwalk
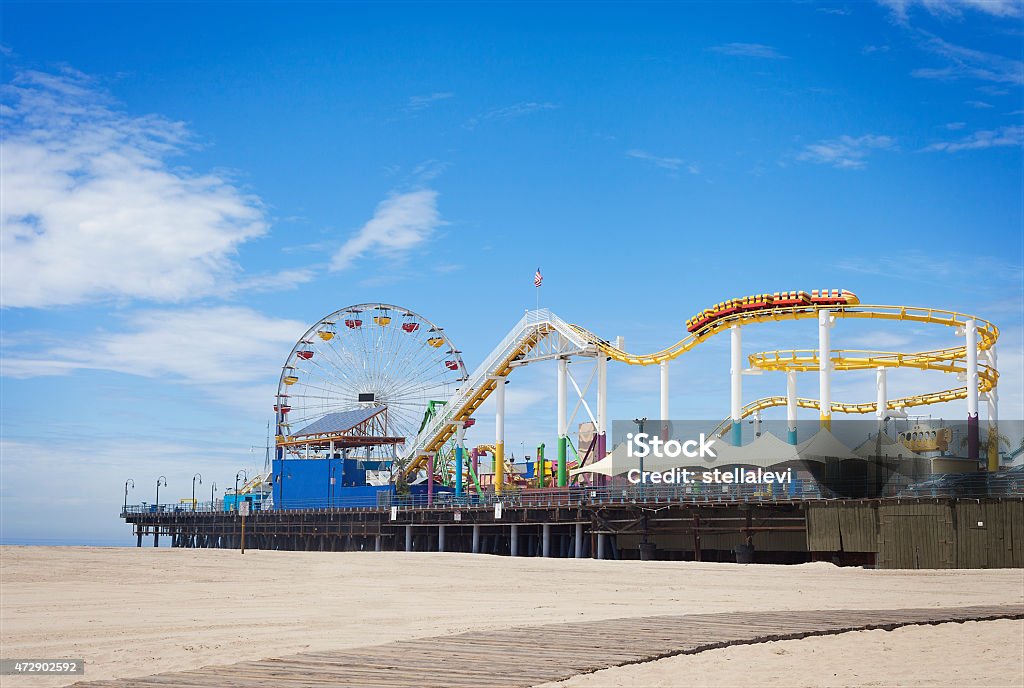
[(525, 656)]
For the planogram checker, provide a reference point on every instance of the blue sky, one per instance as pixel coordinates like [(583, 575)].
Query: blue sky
[(187, 187)]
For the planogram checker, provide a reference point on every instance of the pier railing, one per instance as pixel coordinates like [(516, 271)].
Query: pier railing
[(616, 495)]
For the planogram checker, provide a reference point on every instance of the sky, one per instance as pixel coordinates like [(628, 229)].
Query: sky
[(187, 187)]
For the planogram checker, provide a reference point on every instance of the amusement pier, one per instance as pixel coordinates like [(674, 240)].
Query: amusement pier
[(374, 402)]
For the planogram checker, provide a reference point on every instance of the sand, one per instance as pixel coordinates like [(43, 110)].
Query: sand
[(987, 653), (131, 612)]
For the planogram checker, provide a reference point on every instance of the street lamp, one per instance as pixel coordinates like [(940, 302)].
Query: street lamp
[(157, 504), (200, 476), (213, 500), (640, 424), (246, 474), (126, 483)]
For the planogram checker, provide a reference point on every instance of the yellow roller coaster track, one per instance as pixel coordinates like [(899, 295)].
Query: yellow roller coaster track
[(805, 360), (987, 332), (946, 360)]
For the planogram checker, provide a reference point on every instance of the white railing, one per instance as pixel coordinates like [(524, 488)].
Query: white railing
[(526, 327)]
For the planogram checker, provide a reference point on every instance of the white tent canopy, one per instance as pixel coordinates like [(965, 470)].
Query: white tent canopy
[(618, 462), (766, 450), (824, 446)]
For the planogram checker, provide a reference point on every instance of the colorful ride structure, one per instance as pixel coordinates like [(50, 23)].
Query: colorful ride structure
[(389, 358)]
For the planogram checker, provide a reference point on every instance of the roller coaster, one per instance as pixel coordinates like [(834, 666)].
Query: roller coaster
[(333, 380)]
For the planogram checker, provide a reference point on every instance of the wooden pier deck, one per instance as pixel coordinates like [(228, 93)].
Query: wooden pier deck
[(529, 655)]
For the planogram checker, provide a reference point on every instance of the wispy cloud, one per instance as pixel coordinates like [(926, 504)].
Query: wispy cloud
[(838, 11), (978, 104), (953, 8), (509, 112), (846, 152), (749, 50), (1003, 136), (954, 126), (967, 63), (93, 208), (417, 103), (400, 224), (199, 346), (663, 162), (872, 49)]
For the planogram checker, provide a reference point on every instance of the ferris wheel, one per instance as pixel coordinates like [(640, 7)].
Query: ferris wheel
[(371, 355)]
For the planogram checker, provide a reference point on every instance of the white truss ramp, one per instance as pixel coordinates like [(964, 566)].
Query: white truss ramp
[(539, 335)]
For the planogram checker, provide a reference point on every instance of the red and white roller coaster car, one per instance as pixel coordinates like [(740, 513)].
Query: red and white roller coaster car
[(763, 302)]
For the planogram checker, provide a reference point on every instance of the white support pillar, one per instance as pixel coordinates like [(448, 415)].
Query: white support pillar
[(971, 342), (408, 538), (563, 421), (579, 541), (378, 543), (440, 538), (736, 385), (600, 545), (664, 411), (546, 540), (476, 539), (881, 397), (514, 540), (602, 412), (791, 406), (825, 368), (993, 413)]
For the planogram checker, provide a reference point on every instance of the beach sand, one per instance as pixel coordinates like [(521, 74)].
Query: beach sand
[(985, 653), (131, 612)]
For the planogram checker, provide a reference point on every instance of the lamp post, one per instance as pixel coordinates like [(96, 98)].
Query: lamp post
[(126, 483), (246, 474), (157, 504), (213, 499), (334, 481), (200, 476), (640, 424)]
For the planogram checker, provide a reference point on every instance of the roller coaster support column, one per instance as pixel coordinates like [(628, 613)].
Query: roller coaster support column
[(736, 385), (563, 434), (791, 406), (663, 411), (993, 416), (499, 435), (430, 479), (971, 333), (602, 410), (881, 397), (460, 440), (825, 368)]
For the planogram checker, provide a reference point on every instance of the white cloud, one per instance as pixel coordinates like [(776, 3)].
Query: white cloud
[(417, 103), (664, 162), (954, 8), (846, 152), (955, 126), (93, 209), (978, 104), (209, 347), (1003, 136), (967, 63), (749, 50), (400, 224), (509, 112)]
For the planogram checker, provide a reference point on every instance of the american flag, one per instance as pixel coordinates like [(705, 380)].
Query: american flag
[(538, 279)]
